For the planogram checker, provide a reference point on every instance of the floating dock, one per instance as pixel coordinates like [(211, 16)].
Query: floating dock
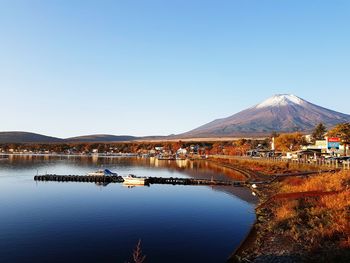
[(119, 179)]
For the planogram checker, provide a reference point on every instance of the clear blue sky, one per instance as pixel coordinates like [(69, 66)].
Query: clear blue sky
[(150, 67)]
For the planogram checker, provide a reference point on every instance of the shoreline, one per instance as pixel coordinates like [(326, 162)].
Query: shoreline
[(249, 239), (245, 243)]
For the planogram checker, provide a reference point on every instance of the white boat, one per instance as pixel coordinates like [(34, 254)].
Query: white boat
[(104, 172), (133, 180)]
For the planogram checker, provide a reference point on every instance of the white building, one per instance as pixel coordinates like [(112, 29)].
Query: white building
[(322, 145), (181, 151)]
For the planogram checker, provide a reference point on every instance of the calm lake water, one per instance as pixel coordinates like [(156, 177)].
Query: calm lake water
[(86, 222)]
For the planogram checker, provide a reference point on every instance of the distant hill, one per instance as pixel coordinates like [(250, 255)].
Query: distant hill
[(155, 137), (26, 137), (101, 138), (281, 113)]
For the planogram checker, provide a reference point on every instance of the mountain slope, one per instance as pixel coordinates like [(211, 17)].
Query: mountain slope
[(282, 113), (101, 138), (26, 137)]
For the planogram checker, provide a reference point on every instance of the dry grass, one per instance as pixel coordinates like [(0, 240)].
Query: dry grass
[(306, 217), (324, 182), (137, 255), (286, 211), (318, 222), (270, 167)]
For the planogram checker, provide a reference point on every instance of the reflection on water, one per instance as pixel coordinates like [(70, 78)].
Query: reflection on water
[(85, 222), (187, 166)]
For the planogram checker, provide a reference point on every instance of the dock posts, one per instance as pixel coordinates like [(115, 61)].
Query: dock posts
[(78, 178)]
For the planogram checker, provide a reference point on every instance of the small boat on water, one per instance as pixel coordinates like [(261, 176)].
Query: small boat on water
[(134, 180), (104, 172)]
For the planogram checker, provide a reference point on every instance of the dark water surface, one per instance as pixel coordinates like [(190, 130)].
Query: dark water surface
[(86, 222)]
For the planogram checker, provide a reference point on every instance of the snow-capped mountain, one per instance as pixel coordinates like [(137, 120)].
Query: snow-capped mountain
[(280, 100), (282, 113)]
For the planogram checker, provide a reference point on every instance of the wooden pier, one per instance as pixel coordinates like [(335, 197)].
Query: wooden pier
[(191, 181), (119, 179), (79, 178)]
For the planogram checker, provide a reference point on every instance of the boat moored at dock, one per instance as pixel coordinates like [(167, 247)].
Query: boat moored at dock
[(134, 180), (104, 172)]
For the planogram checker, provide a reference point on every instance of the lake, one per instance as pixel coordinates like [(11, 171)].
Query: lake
[(87, 222)]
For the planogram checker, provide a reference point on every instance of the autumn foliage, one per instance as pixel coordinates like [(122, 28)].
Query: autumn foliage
[(290, 141)]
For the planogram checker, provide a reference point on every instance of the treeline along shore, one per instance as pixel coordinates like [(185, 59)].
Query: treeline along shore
[(231, 147)]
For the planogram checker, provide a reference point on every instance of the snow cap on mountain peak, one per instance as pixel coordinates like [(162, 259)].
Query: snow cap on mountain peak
[(280, 100)]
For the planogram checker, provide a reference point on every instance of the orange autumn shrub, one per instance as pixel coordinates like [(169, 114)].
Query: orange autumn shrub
[(286, 210), (322, 182)]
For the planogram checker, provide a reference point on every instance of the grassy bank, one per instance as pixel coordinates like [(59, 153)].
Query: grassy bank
[(299, 219), (266, 166)]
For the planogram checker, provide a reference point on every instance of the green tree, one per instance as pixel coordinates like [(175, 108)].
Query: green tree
[(319, 132)]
